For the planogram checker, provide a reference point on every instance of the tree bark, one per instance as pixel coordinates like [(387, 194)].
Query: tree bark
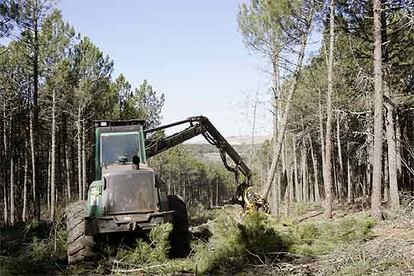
[(217, 192), (24, 211), (295, 166), (392, 152), (276, 111), (386, 179), (282, 191), (79, 142), (378, 103), (84, 170), (35, 119), (328, 146), (67, 172), (53, 160), (341, 165), (48, 181), (315, 172), (33, 163), (350, 194), (303, 172), (5, 147), (210, 189), (322, 137), (398, 144), (12, 199)]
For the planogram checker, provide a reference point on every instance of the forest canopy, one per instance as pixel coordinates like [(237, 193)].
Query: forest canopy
[(54, 82)]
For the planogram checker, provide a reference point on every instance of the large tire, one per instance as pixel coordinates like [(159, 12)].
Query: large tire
[(180, 234), (80, 246)]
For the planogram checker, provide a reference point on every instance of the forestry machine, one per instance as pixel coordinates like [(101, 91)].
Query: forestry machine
[(127, 195)]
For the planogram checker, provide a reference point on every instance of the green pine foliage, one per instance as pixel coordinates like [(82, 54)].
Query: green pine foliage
[(35, 247), (233, 242), (154, 251), (151, 255), (260, 239), (316, 238)]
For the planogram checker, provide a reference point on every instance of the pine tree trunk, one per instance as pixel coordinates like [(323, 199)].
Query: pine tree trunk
[(84, 170), (335, 177), (12, 199), (392, 152), (398, 144), (285, 114), (24, 211), (283, 177), (322, 137), (350, 198), (210, 189), (48, 181), (295, 166), (53, 160), (290, 185), (367, 187), (35, 112), (67, 173), (79, 142), (328, 146), (217, 192), (276, 113), (386, 179), (378, 102), (291, 194), (315, 172), (341, 166), (33, 162), (5, 147), (5, 211), (253, 132), (303, 169)]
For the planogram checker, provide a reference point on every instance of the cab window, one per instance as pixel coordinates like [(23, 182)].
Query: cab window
[(119, 147)]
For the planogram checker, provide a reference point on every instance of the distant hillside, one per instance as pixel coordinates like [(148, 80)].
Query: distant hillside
[(209, 153), (240, 140), (235, 140)]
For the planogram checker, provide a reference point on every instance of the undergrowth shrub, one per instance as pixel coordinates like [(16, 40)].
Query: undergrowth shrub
[(200, 214), (301, 208), (153, 252), (385, 257), (255, 238), (234, 243), (260, 236), (318, 238), (33, 247), (151, 255)]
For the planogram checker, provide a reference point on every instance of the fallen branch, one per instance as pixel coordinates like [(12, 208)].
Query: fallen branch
[(130, 270), (288, 254), (257, 256), (310, 216)]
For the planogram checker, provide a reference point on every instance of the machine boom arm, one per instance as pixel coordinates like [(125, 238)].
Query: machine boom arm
[(202, 125)]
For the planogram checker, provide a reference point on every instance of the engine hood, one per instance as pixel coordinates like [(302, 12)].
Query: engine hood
[(129, 191)]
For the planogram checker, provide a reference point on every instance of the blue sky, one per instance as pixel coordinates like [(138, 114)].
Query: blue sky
[(189, 50)]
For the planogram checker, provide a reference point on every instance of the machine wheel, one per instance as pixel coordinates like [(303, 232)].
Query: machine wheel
[(80, 246), (180, 234)]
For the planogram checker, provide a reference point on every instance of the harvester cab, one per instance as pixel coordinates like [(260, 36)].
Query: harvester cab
[(125, 188), (118, 143)]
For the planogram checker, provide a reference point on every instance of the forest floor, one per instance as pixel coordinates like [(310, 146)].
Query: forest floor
[(387, 250), (226, 242)]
